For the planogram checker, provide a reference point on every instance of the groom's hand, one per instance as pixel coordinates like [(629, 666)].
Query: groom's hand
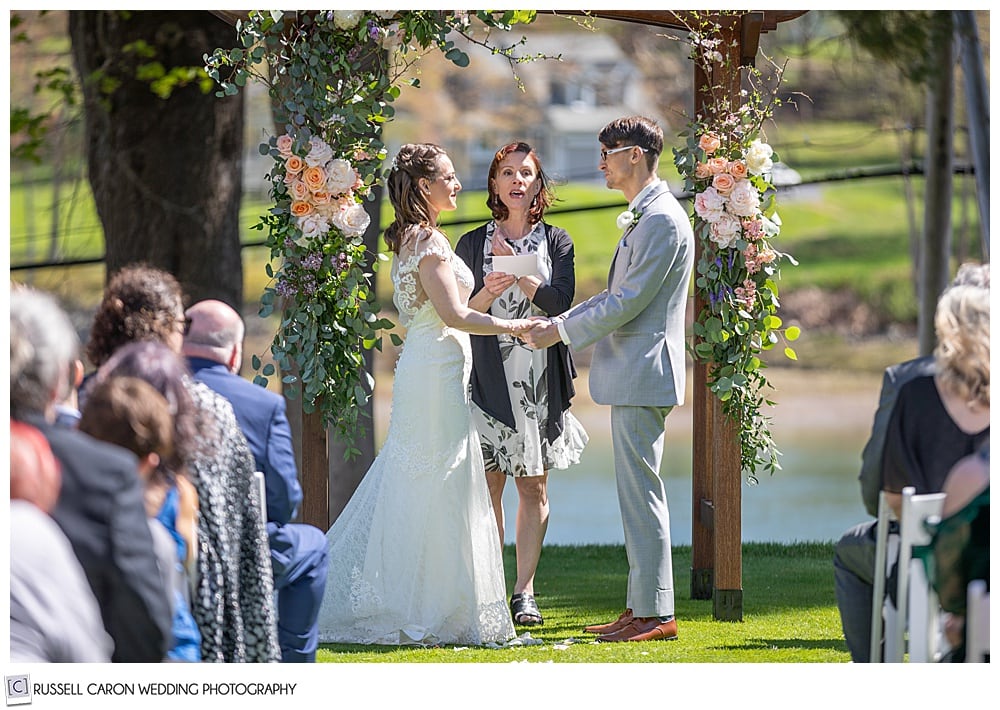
[(543, 334)]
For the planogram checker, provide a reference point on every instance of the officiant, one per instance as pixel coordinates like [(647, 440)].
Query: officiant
[(522, 396)]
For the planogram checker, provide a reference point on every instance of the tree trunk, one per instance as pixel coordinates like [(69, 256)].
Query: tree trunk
[(166, 173), (978, 112), (934, 258)]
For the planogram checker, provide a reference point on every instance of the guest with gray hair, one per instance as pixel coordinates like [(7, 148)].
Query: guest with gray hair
[(100, 507)]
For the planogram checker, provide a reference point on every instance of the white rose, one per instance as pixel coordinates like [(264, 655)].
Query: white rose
[(347, 19), (340, 176), (744, 199), (759, 158), (391, 37), (384, 14), (319, 152), (725, 230), (313, 225), (625, 219), (352, 221)]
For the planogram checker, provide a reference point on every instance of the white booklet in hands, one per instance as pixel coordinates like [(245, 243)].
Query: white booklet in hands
[(520, 265)]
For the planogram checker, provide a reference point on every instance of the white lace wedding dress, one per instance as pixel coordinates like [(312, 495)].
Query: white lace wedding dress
[(415, 555)]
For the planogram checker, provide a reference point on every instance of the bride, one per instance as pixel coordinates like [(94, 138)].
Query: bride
[(415, 557)]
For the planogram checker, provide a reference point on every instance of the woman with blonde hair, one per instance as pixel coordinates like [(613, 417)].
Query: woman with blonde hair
[(941, 418)]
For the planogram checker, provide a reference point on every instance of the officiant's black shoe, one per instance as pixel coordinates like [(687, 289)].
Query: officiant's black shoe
[(524, 610), (610, 628)]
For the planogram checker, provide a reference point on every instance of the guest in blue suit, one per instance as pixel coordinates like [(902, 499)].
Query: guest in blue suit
[(214, 348)]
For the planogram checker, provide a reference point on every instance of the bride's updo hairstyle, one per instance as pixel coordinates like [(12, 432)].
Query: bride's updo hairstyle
[(962, 357), (412, 162)]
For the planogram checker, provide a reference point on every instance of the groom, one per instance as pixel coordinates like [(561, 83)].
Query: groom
[(638, 364)]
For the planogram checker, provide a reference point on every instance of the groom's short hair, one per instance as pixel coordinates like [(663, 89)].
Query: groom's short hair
[(634, 130)]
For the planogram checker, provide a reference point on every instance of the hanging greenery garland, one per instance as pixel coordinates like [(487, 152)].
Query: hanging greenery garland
[(332, 77)]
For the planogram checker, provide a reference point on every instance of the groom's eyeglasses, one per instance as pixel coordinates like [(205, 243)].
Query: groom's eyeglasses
[(606, 153)]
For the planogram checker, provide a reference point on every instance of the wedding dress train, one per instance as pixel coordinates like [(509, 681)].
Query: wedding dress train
[(415, 556)]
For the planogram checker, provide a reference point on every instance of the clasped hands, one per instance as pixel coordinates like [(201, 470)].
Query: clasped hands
[(537, 332)]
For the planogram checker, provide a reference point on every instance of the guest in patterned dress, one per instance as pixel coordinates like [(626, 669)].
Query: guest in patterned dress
[(522, 395), (233, 599)]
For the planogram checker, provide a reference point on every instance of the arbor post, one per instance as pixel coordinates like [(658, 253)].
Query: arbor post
[(716, 536)]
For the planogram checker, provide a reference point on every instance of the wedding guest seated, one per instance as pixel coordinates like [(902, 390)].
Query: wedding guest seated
[(233, 601), (214, 349), (960, 545), (937, 419), (100, 507), (131, 413), (54, 617)]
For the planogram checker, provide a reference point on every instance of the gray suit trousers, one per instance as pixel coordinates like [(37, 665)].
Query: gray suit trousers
[(637, 439)]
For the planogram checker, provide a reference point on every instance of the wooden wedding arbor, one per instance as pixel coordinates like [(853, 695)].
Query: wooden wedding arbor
[(717, 556)]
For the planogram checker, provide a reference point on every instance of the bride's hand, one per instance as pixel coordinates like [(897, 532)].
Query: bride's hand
[(521, 325)]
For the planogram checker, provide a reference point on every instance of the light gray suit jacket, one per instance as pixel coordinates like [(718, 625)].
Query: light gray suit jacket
[(638, 322)]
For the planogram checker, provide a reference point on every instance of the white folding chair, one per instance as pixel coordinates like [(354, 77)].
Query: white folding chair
[(977, 623), (886, 547), (914, 511), (926, 637)]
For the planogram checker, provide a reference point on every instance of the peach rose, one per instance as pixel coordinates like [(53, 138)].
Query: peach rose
[(717, 166), (315, 178), (321, 197), (701, 171), (738, 169), (294, 165), (709, 142), (284, 145), (724, 183), (301, 208)]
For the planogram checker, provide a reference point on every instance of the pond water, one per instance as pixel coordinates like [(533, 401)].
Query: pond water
[(821, 423)]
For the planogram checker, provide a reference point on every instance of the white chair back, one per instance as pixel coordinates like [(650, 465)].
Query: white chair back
[(886, 547), (914, 511), (977, 623)]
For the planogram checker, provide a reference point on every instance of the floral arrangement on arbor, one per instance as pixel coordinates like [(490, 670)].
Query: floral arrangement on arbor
[(332, 76), (728, 168)]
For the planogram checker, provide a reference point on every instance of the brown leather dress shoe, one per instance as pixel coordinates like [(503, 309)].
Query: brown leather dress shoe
[(643, 629), (609, 628)]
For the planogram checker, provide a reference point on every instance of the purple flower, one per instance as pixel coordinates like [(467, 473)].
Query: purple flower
[(284, 288), (354, 54), (309, 285), (373, 30), (313, 261)]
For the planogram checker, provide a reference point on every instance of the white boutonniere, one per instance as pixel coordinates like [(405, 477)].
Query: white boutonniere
[(627, 220)]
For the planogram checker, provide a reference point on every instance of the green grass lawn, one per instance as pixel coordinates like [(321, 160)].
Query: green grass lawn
[(789, 613)]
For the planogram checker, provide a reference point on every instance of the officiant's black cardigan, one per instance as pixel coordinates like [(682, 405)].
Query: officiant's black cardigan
[(489, 386)]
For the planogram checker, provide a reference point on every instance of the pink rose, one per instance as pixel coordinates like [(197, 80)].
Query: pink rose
[(701, 171), (709, 142), (284, 145), (717, 166), (709, 204), (724, 183), (298, 190), (738, 169)]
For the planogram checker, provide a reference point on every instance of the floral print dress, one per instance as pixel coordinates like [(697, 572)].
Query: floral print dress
[(525, 450)]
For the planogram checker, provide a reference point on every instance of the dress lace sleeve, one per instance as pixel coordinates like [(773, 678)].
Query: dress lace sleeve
[(409, 294)]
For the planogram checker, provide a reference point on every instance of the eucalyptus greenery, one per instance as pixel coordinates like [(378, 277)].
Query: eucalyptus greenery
[(333, 76), (728, 168)]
